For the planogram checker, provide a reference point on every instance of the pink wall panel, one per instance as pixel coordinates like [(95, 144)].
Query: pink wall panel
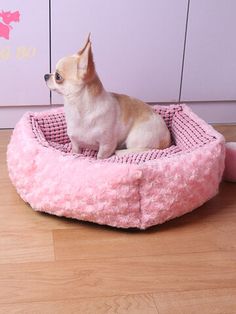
[(138, 45), (24, 52), (210, 60)]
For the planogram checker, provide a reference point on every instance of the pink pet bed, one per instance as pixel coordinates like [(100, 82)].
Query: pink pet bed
[(136, 190)]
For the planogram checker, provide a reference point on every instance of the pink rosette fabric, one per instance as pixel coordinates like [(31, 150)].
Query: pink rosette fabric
[(136, 190)]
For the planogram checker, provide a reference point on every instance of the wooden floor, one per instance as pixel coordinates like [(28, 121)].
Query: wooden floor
[(55, 265)]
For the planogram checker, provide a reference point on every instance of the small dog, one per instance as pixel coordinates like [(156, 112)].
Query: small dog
[(101, 120)]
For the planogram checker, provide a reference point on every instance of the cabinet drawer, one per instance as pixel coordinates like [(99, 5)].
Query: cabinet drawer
[(210, 60), (24, 52), (137, 45)]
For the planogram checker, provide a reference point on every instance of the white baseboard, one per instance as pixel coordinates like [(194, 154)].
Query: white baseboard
[(212, 112), (215, 112), (9, 116)]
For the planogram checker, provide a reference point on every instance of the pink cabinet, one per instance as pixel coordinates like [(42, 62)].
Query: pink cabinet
[(138, 45), (210, 59), (24, 52)]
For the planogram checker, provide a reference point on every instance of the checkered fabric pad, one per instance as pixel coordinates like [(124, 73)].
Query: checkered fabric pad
[(186, 135)]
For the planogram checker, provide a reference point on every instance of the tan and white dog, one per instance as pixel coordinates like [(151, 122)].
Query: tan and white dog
[(101, 120)]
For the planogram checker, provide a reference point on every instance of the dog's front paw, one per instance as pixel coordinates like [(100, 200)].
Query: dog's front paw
[(104, 155), (76, 149), (105, 151)]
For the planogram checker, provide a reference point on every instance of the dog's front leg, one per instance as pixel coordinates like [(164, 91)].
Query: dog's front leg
[(75, 147), (106, 150)]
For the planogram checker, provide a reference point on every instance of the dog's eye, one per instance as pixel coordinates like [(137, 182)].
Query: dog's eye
[(58, 78)]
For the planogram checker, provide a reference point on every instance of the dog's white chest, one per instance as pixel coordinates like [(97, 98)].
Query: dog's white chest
[(82, 128)]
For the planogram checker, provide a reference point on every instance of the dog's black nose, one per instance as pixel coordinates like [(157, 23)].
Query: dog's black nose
[(46, 77)]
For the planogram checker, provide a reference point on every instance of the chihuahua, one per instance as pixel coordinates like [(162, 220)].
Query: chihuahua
[(100, 120)]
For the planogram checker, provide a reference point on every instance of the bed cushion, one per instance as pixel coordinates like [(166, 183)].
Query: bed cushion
[(136, 190)]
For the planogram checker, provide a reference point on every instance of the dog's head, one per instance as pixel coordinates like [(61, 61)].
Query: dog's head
[(72, 72)]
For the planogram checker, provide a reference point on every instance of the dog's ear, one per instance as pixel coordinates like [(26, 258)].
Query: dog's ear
[(86, 44), (86, 64)]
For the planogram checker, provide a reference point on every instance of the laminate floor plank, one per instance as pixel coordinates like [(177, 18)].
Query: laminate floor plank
[(133, 304), (215, 301), (44, 281)]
